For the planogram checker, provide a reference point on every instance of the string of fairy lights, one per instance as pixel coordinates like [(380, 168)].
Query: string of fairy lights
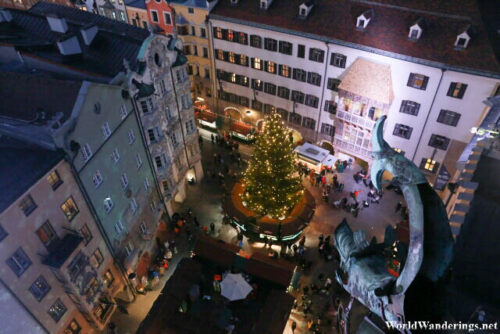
[(272, 184)]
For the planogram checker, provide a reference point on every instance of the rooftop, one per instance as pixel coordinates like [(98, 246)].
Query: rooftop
[(31, 97), (29, 32), (136, 3), (21, 166), (191, 3), (387, 31)]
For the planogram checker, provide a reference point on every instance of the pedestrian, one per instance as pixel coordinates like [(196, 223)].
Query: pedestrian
[(321, 238), (327, 240), (173, 246), (302, 241), (399, 206), (196, 222), (200, 141), (294, 326), (215, 158), (212, 227), (212, 137), (265, 242)]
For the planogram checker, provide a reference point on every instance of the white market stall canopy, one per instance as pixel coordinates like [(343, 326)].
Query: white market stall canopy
[(315, 155)]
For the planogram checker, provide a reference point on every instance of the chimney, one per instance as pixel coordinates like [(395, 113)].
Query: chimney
[(89, 32), (69, 46), (57, 24)]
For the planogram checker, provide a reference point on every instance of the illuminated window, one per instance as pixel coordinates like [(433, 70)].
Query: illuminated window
[(230, 35), (232, 57), (54, 179), (108, 278), (69, 208), (243, 60), (96, 259), (284, 70), (233, 77), (220, 54), (257, 63), (73, 328), (257, 84), (271, 67), (418, 81), (46, 233), (457, 90), (218, 32), (57, 310), (429, 165)]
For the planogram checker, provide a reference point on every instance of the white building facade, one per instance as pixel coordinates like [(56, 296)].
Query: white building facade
[(340, 88)]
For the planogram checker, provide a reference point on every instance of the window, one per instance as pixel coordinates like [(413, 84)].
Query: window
[(299, 74), (153, 135), (257, 63), (338, 60), (19, 262), (308, 123), (295, 118), (286, 47), (298, 96), (330, 106), (57, 310), (284, 92), (27, 205), (255, 41), (96, 259), (133, 205), (54, 179), (147, 185), (131, 136), (174, 140), (168, 18), (115, 155), (147, 105), (193, 31), (203, 33), (158, 162), (229, 35), (439, 142), (283, 113), (97, 178), (448, 117), (418, 81), (242, 38), (243, 60), (269, 88), (457, 90), (244, 101), (73, 328), (39, 288), (314, 78), (333, 84), (190, 10), (205, 52), (138, 160), (3, 233), (86, 152), (143, 227), (119, 228), (123, 111), (402, 131), (257, 105), (257, 84), (106, 130), (154, 16), (108, 204), (316, 55), (270, 67), (165, 186), (69, 208), (327, 129), (218, 32), (429, 165), (190, 126), (108, 278), (86, 234), (301, 51), (46, 233), (312, 101), (270, 44), (285, 71), (268, 109), (129, 248), (124, 180), (409, 107)]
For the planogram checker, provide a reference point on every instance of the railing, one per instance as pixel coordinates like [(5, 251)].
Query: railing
[(354, 119)]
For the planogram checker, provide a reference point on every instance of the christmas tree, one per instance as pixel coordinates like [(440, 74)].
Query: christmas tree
[(272, 184)]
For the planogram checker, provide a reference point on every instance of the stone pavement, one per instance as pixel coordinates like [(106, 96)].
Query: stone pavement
[(204, 199)]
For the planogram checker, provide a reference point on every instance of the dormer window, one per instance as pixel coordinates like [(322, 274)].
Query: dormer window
[(364, 19), (464, 38), (305, 9), (234, 2), (264, 4)]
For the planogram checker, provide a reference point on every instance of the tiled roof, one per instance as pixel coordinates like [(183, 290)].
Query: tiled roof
[(21, 166), (115, 41), (190, 3), (387, 31), (36, 98)]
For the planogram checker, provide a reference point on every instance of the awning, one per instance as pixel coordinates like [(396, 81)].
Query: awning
[(241, 128), (207, 116), (368, 80)]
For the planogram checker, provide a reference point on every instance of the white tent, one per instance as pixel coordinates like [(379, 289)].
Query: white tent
[(234, 287)]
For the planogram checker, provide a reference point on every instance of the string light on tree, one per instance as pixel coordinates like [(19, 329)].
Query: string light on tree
[(272, 185)]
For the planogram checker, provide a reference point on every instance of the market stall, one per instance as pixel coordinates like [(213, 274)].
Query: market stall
[(208, 120), (242, 131), (315, 157)]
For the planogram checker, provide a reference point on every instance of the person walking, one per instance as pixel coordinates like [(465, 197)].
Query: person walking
[(294, 326), (212, 227), (212, 137)]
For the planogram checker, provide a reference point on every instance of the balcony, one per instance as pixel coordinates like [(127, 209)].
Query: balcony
[(63, 249), (354, 119)]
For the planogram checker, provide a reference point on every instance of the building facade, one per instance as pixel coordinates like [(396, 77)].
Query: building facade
[(57, 265), (331, 84), (160, 16), (191, 27), (113, 9), (137, 13)]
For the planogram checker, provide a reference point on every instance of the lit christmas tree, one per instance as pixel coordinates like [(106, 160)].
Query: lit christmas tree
[(272, 185)]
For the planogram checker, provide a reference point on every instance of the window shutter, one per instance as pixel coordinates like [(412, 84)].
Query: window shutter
[(265, 65), (462, 90), (410, 80), (451, 89), (252, 62), (424, 84)]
